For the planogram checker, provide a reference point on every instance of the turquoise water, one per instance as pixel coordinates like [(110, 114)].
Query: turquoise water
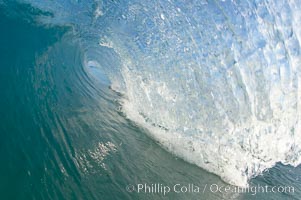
[(64, 132)]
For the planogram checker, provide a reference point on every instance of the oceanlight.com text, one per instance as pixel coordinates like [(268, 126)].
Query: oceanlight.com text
[(159, 188)]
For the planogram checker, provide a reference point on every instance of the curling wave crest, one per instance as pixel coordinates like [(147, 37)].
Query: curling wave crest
[(216, 82)]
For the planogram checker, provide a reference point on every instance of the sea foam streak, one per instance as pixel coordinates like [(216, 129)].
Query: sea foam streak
[(216, 83)]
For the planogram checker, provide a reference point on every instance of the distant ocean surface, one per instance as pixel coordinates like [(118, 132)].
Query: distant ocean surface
[(150, 99)]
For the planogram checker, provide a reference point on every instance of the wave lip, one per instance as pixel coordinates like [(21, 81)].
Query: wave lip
[(226, 99)]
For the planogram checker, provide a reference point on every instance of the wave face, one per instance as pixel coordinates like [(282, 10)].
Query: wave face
[(215, 82)]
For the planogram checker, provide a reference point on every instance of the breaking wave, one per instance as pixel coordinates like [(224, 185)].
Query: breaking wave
[(215, 82)]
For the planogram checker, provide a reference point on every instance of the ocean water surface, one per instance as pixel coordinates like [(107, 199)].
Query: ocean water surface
[(127, 99)]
